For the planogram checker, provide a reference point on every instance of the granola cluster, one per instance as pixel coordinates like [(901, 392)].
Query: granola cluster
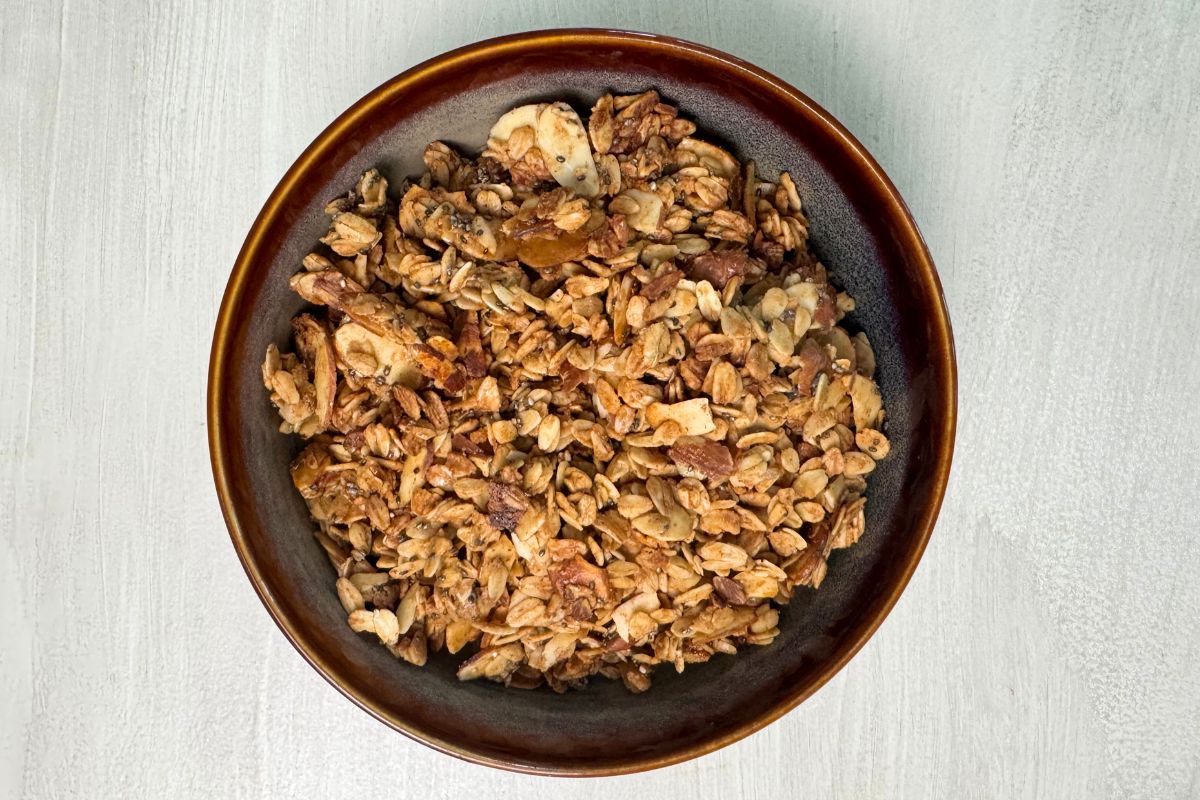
[(580, 405)]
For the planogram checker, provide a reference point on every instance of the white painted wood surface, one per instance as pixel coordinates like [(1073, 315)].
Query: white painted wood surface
[(1048, 645)]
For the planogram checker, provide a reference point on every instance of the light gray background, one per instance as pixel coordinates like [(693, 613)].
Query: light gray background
[(1048, 644)]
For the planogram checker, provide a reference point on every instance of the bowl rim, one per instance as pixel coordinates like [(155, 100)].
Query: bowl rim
[(911, 242)]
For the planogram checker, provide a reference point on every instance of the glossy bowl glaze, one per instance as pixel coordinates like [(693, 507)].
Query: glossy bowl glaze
[(861, 229)]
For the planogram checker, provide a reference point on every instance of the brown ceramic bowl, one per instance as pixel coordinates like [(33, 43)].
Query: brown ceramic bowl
[(860, 228)]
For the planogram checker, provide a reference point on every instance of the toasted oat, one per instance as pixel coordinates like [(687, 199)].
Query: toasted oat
[(577, 406)]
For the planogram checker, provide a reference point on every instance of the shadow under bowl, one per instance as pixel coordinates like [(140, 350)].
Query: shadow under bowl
[(860, 228)]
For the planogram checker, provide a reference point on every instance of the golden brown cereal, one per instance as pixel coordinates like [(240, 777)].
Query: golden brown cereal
[(578, 406)]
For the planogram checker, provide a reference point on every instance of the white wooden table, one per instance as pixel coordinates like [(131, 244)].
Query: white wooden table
[(1049, 645)]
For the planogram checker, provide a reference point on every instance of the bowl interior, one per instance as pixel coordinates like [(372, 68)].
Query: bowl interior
[(858, 230)]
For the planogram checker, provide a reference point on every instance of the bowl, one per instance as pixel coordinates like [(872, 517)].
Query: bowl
[(860, 228)]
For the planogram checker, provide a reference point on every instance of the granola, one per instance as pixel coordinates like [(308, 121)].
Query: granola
[(578, 405)]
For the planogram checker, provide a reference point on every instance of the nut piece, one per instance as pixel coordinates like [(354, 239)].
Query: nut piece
[(563, 141), (701, 458), (718, 267), (506, 505), (693, 416), (519, 117), (730, 591), (375, 356), (581, 585)]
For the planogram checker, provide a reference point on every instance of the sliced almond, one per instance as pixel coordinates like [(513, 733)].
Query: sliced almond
[(693, 416), (392, 361), (564, 144), (519, 117)]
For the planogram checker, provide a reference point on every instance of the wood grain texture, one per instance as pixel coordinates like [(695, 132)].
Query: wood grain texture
[(1049, 645)]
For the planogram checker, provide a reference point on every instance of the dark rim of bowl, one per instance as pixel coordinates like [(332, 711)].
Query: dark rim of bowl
[(911, 242)]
